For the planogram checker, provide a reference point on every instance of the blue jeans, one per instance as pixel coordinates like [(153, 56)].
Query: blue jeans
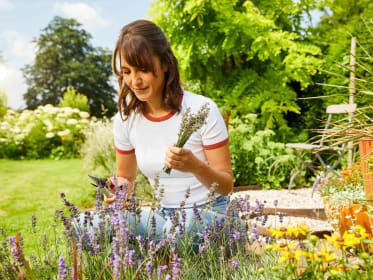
[(164, 220)]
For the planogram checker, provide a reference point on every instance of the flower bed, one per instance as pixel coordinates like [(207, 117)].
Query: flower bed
[(224, 252)]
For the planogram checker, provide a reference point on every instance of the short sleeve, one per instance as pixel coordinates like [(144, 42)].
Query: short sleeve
[(121, 136), (214, 132)]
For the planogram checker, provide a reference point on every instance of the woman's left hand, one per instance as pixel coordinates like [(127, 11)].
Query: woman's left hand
[(181, 159)]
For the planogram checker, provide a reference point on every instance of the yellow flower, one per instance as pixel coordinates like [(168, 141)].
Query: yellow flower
[(278, 232), (301, 229), (352, 239), (293, 256), (342, 267), (326, 255), (283, 246), (336, 240)]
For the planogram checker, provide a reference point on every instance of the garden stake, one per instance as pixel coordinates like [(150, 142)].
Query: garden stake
[(75, 276), (25, 263)]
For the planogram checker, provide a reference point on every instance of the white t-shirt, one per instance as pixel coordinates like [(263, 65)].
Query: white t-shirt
[(150, 137)]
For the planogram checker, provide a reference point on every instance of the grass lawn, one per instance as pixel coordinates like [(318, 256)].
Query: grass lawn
[(34, 186)]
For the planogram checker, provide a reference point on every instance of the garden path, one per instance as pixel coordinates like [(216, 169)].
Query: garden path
[(293, 199)]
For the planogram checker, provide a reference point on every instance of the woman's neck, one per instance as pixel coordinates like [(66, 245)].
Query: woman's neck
[(156, 109)]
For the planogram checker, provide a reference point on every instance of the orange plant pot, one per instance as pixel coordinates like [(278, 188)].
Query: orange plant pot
[(347, 215), (366, 152)]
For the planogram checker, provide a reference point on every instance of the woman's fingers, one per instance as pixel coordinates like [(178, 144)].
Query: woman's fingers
[(178, 158), (109, 200)]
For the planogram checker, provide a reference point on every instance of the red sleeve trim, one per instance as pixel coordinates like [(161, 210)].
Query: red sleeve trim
[(216, 145), (124, 152)]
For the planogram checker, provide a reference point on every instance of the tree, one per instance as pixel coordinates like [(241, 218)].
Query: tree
[(244, 54), (74, 99), (65, 58), (342, 20)]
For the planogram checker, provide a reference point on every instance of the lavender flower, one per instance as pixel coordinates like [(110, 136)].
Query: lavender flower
[(176, 268), (62, 273), (14, 251), (275, 203), (33, 223), (151, 249), (116, 266), (281, 217), (235, 264), (149, 269), (141, 244), (161, 270), (189, 124), (167, 277), (196, 213)]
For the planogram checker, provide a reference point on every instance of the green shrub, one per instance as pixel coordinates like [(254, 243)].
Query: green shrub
[(45, 132), (256, 158), (99, 155), (74, 99), (98, 149)]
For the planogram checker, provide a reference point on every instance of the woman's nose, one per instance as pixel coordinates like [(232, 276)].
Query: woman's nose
[(136, 78)]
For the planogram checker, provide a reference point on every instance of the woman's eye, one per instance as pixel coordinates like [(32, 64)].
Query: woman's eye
[(144, 70), (126, 72)]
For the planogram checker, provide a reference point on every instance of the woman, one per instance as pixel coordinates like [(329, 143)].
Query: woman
[(151, 104)]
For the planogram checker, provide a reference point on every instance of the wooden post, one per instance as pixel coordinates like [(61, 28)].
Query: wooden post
[(352, 90)]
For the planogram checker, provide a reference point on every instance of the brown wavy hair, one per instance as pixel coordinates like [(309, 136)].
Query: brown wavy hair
[(138, 42)]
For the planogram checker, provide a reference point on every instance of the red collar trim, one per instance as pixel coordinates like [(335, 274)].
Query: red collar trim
[(165, 117)]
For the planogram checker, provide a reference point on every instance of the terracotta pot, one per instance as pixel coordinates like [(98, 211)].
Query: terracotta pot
[(366, 153), (347, 215)]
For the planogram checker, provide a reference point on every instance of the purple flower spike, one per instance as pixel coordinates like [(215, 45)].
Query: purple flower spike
[(62, 273), (176, 268), (235, 264), (167, 277), (275, 203), (149, 269), (281, 217), (14, 251), (161, 270), (116, 267)]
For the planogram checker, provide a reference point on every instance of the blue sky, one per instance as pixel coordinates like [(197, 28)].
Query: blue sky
[(22, 20)]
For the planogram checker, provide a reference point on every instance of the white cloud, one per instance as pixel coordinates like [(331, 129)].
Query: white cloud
[(87, 15), (6, 5), (12, 81), (17, 45)]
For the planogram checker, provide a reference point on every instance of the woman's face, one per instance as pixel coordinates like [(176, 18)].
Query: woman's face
[(144, 84)]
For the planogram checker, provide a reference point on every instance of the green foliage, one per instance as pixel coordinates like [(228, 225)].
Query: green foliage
[(243, 54), (3, 103), (65, 58), (45, 132), (98, 149), (99, 155), (333, 34), (74, 99), (256, 158)]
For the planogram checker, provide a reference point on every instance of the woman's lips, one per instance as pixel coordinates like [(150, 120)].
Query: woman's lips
[(140, 90)]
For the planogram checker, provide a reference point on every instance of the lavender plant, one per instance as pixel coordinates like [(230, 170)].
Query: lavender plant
[(190, 123), (115, 250)]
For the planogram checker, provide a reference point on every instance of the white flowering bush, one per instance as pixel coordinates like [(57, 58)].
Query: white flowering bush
[(98, 149), (47, 131)]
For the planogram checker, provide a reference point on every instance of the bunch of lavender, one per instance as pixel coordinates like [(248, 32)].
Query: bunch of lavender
[(189, 124)]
